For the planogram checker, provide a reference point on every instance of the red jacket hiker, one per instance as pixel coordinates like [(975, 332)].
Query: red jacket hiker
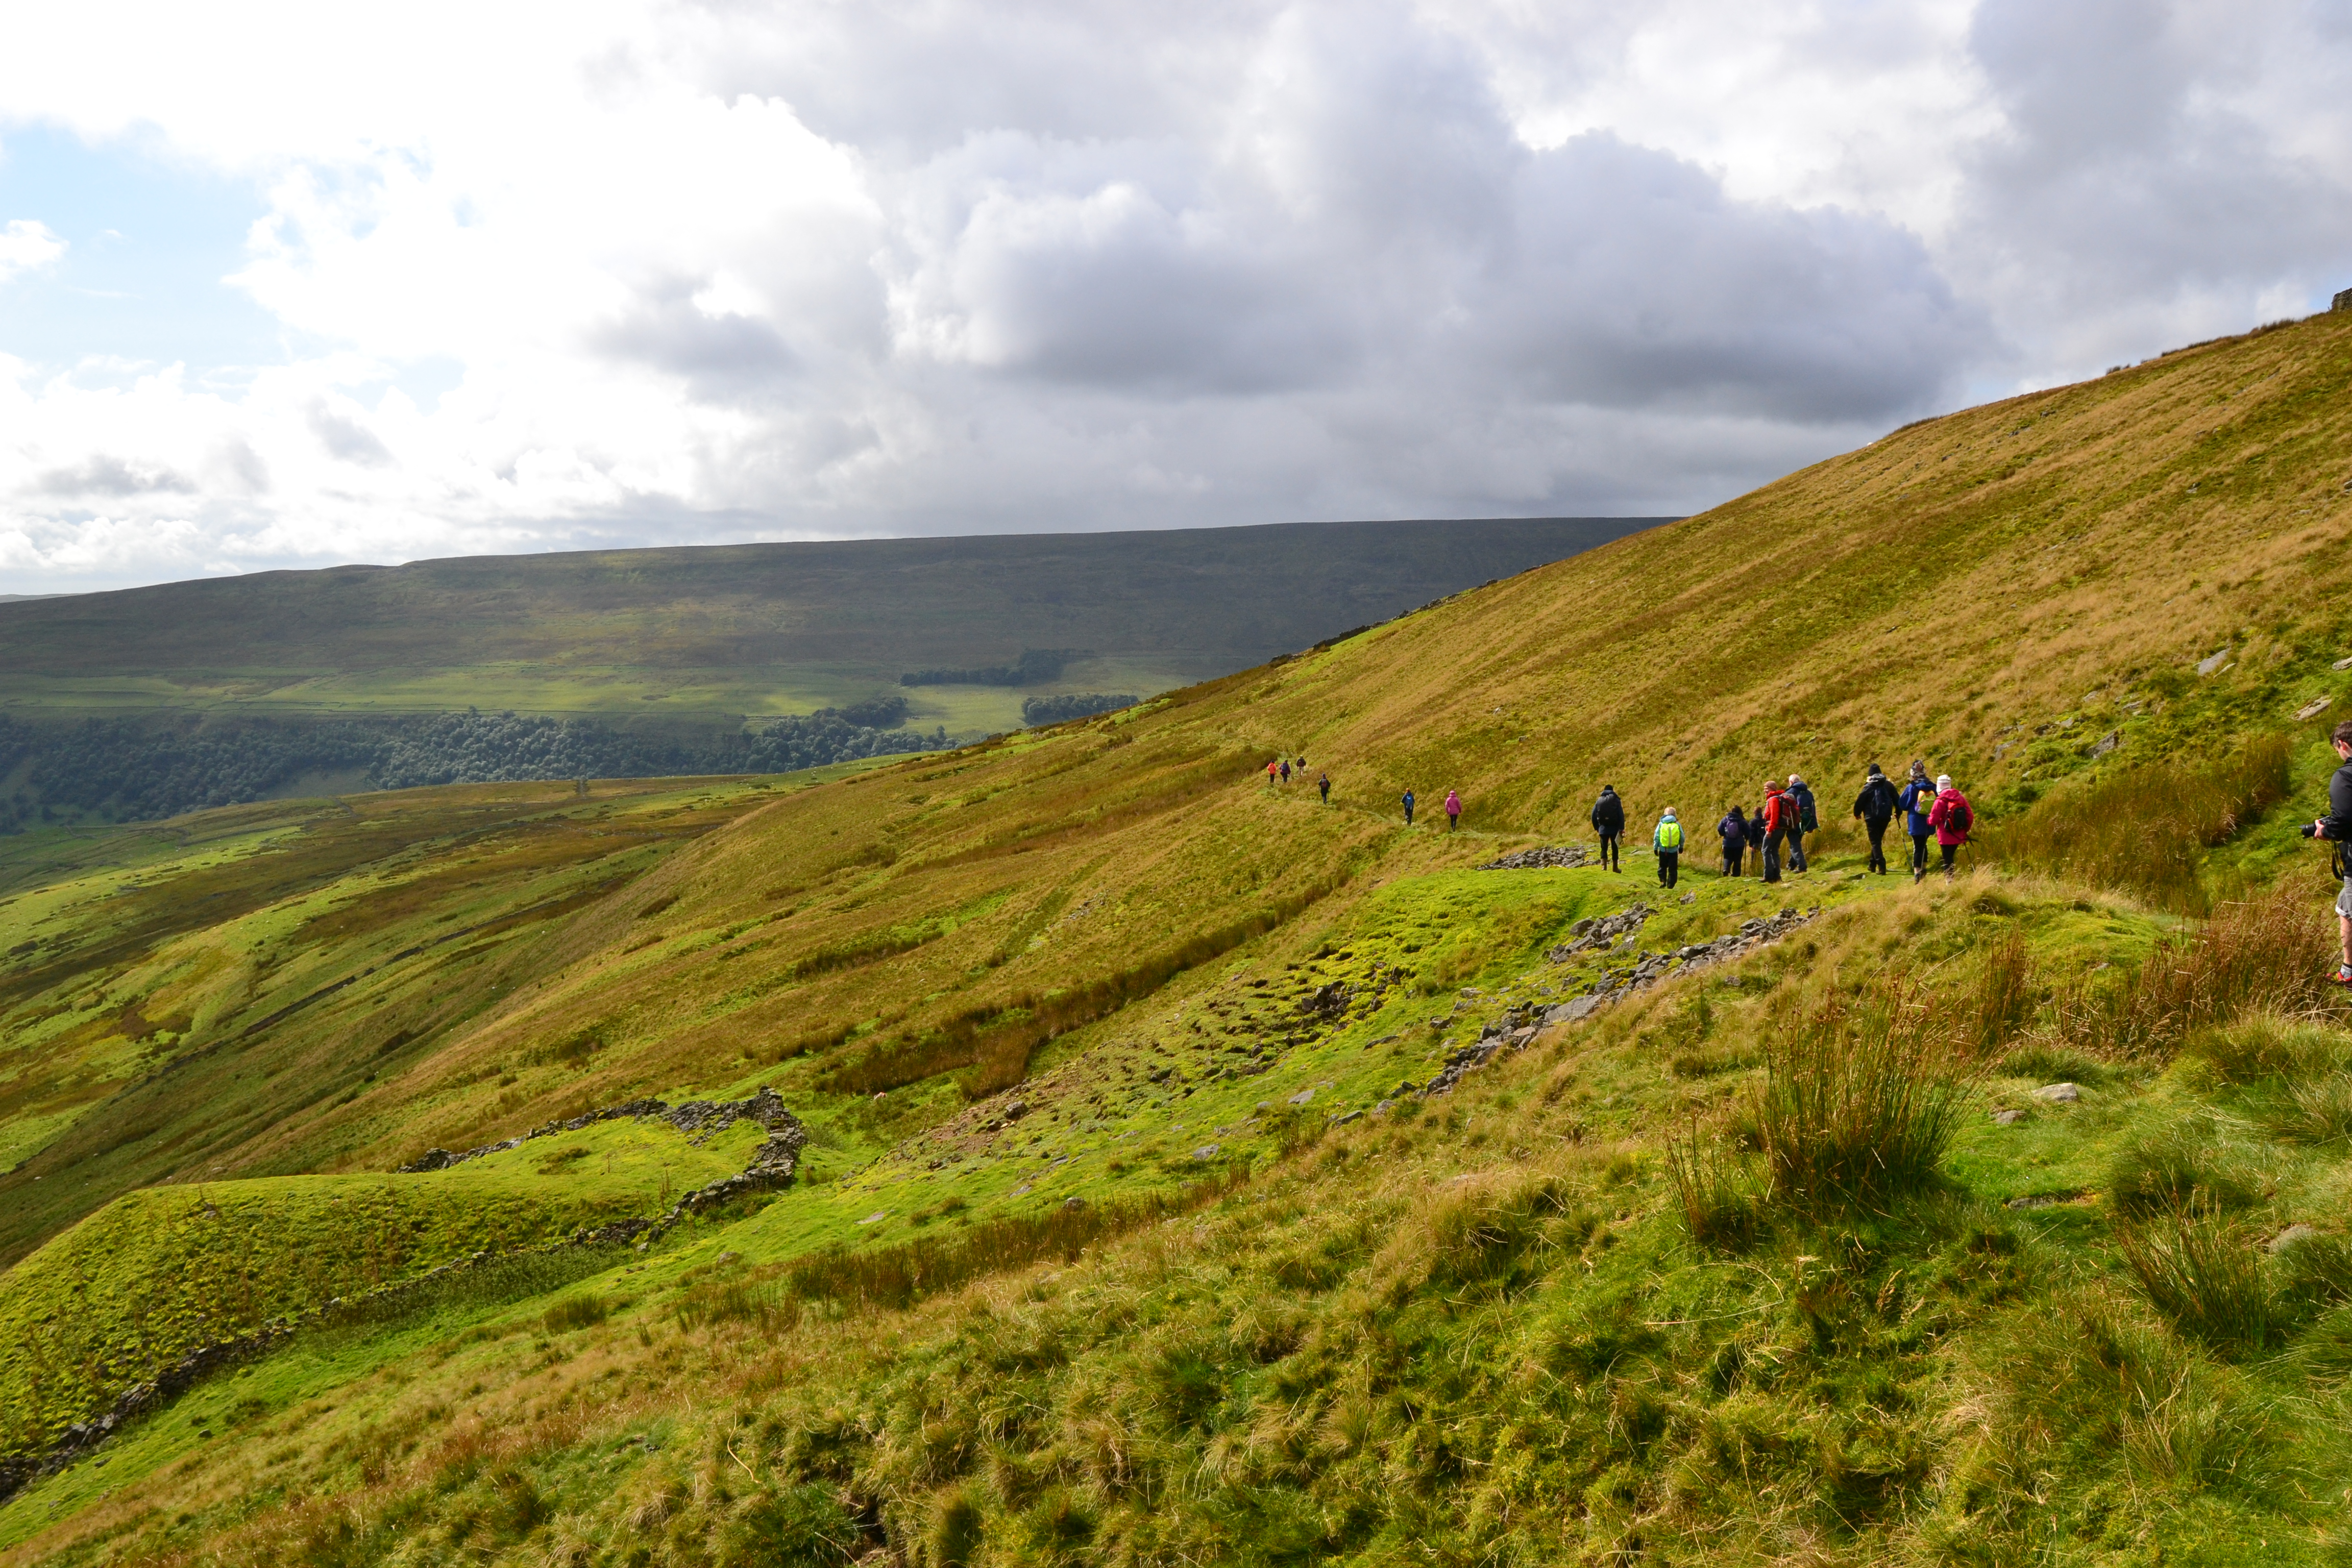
[(1951, 816), (1780, 811)]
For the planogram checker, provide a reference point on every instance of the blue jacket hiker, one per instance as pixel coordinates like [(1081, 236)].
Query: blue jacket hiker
[(1917, 799), (1733, 831), (1408, 808), (1667, 841)]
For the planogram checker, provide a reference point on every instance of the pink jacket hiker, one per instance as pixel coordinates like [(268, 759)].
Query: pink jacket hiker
[(1940, 817), (1452, 803)]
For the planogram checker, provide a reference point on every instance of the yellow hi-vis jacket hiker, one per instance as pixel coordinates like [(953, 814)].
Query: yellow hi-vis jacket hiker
[(1668, 838)]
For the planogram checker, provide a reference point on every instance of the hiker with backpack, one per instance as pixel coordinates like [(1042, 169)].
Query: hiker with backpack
[(2336, 828), (1270, 770), (1875, 807), (1609, 821), (1917, 799), (1408, 808), (1733, 831), (1780, 815), (1453, 809), (1323, 783), (1806, 820), (1286, 770), (1667, 842), (1951, 818)]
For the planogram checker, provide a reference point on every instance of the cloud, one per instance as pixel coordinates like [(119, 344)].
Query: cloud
[(100, 475), (27, 244), (793, 269)]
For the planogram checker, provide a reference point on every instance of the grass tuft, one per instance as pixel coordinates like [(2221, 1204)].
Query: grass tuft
[(1862, 1096), (2203, 1271)]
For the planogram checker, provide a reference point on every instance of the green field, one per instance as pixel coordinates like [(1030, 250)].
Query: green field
[(1130, 1228)]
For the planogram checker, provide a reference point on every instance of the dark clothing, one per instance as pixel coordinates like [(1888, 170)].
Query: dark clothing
[(1808, 821), (1408, 808), (1918, 854), (1877, 843), (1609, 815), (1609, 852), (1772, 838), (1325, 785), (2339, 804), (1875, 803), (1731, 859), (1669, 866), (1796, 849), (1949, 850)]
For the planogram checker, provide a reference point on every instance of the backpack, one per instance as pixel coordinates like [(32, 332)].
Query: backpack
[(1670, 837), (1959, 818)]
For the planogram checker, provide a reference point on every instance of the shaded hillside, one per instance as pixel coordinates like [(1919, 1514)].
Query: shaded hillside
[(756, 628), (1199, 1172)]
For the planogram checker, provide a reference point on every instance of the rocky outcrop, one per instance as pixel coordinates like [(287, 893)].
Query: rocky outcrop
[(700, 1119), (1519, 1027), (1598, 931), (1544, 857)]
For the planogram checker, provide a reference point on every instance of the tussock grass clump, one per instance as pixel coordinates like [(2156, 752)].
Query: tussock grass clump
[(585, 1310), (2182, 1165), (2003, 1005), (1861, 1097), (1718, 1191), (2143, 830), (2266, 954), (766, 1307), (2313, 1110), (2072, 1383), (2203, 1271)]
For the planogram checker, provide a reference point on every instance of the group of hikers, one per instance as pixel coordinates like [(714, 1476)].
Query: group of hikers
[(1935, 810)]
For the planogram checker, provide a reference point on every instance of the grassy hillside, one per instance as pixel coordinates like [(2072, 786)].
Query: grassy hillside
[(1130, 1229), (685, 635)]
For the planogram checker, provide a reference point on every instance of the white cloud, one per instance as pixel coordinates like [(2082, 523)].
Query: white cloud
[(717, 272), (26, 246)]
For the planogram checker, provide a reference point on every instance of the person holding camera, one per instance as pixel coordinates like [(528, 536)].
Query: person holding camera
[(2336, 828)]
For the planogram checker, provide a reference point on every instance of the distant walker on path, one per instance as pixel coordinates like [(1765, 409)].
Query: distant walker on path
[(1667, 841), (1952, 820), (1806, 820), (1875, 807), (1733, 831), (1453, 810), (1609, 821), (1323, 784), (1917, 799), (1408, 808), (1779, 814)]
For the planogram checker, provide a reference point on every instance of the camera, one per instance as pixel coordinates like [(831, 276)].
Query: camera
[(2310, 830)]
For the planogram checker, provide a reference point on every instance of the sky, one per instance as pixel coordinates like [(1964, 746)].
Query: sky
[(294, 285)]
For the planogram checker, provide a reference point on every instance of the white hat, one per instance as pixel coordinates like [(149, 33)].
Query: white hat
[(1943, 781)]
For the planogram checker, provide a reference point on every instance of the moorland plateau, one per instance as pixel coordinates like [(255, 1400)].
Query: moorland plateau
[(1198, 1173), (746, 659)]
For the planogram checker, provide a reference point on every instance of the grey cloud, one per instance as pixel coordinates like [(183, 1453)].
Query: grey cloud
[(721, 358), (346, 439), (2124, 176), (1634, 281), (1386, 222), (101, 475)]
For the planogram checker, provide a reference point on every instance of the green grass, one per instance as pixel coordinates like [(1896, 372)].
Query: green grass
[(1727, 1272)]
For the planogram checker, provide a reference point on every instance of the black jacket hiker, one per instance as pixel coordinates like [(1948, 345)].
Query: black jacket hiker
[(1875, 807), (1609, 821)]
